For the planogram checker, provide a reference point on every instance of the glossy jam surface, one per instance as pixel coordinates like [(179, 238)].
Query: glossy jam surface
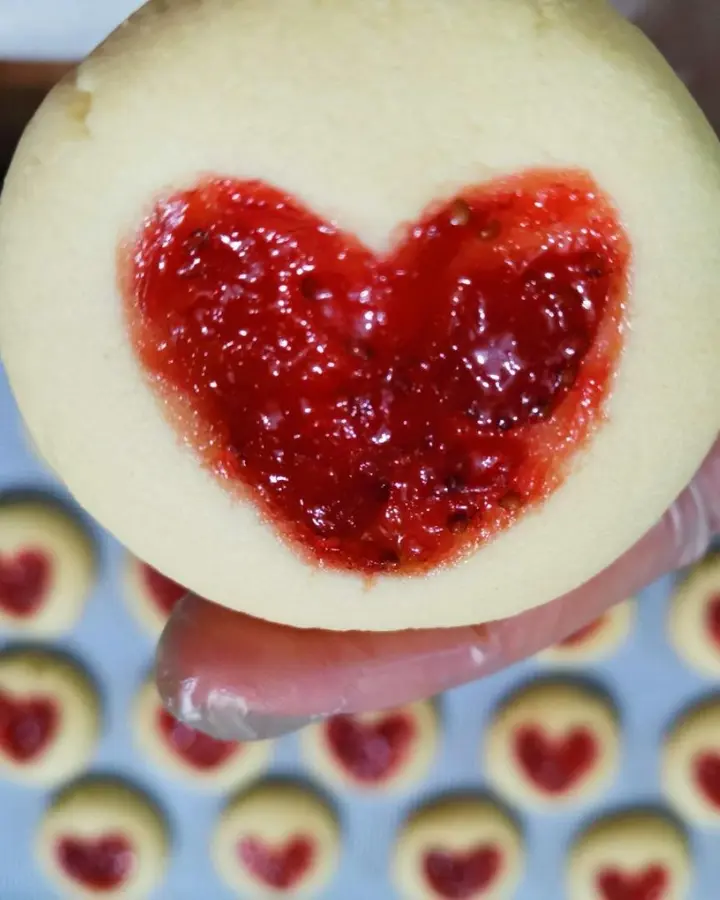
[(26, 726), (458, 876), (24, 581), (279, 867), (387, 413), (579, 637), (707, 776), (101, 864), (650, 884), (371, 752), (199, 750), (555, 764), (713, 619), (164, 591)]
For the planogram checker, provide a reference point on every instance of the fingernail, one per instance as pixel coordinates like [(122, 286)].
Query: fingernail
[(226, 716)]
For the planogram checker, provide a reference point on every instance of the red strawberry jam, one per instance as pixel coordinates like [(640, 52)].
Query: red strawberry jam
[(101, 864), (650, 884), (458, 876), (24, 581), (279, 867), (387, 413), (26, 726), (199, 750), (371, 751), (555, 764)]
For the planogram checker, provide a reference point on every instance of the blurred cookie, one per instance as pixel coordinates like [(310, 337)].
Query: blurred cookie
[(691, 765), (594, 641), (694, 621), (49, 717), (376, 751), (102, 838), (277, 839), (150, 595), (47, 567), (552, 743), (458, 847)]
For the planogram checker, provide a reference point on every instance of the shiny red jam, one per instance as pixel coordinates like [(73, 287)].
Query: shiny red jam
[(24, 581), (650, 884), (457, 876), (371, 751), (27, 726), (101, 864), (707, 776), (280, 868), (555, 764), (387, 413)]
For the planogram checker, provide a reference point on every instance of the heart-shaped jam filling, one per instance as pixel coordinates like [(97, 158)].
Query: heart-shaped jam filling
[(713, 619), (101, 864), (278, 867), (583, 634), (26, 726), (164, 592), (459, 876), (707, 776), (555, 764), (650, 884), (24, 581), (371, 751), (199, 750), (387, 413)]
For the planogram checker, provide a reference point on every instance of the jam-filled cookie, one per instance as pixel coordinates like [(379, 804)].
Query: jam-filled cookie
[(277, 839), (596, 640), (47, 567), (691, 764), (193, 755), (375, 751), (694, 620), (459, 847), (323, 308), (630, 856), (552, 743), (49, 717), (102, 838)]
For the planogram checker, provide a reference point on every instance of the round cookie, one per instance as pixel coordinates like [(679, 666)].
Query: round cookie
[(594, 641), (691, 765), (150, 594), (630, 855), (195, 756), (387, 750), (47, 567), (276, 839), (458, 847), (49, 717), (694, 620), (102, 838), (552, 743), (385, 137)]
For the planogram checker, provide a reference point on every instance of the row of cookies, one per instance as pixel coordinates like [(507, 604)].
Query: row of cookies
[(283, 838), (551, 743), (48, 565)]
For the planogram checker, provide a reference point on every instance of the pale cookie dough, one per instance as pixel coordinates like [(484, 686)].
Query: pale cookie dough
[(552, 743), (458, 847), (150, 595), (691, 765), (102, 838), (597, 640), (388, 750), (410, 103), (277, 839), (630, 854), (694, 620), (49, 717), (47, 567), (190, 754)]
